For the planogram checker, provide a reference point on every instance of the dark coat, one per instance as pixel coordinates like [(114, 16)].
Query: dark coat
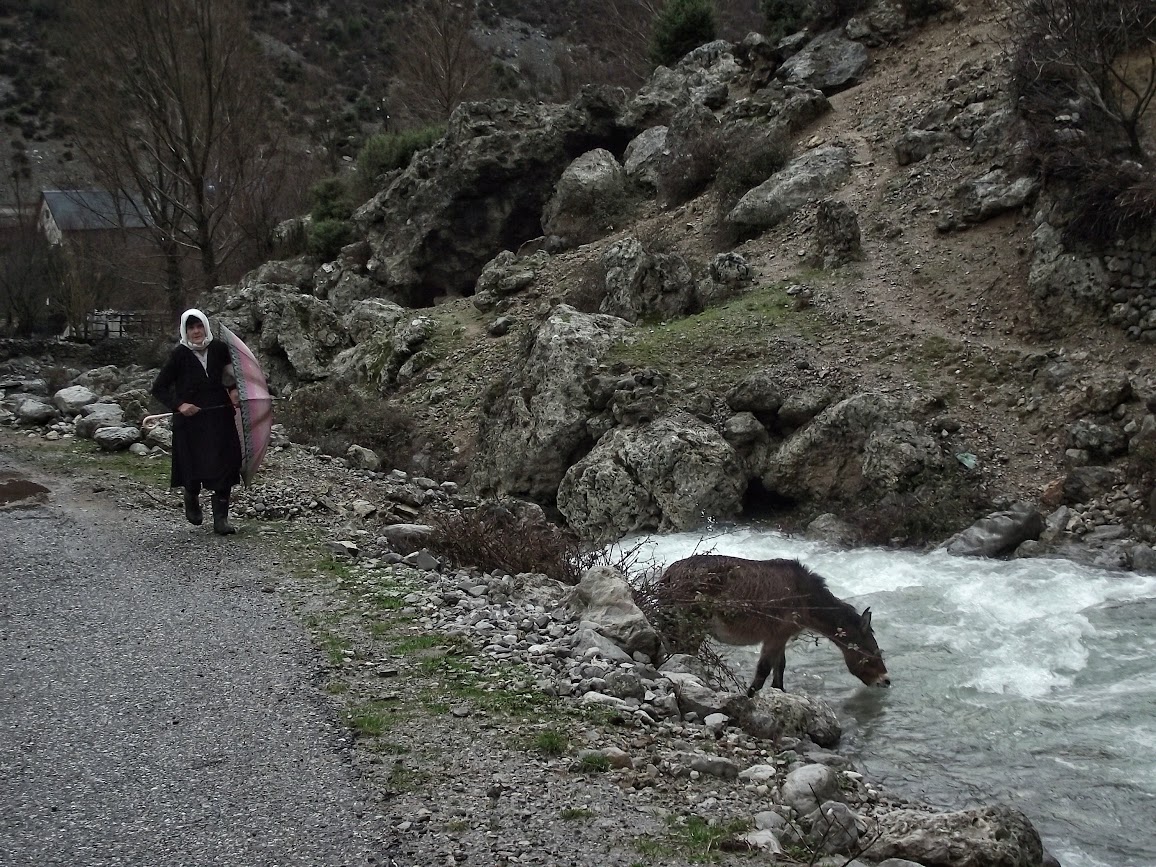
[(206, 449)]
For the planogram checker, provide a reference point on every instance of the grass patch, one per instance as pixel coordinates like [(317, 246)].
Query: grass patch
[(551, 742), (86, 456), (573, 814), (722, 342), (380, 630), (335, 647), (331, 567), (415, 644), (696, 839), (594, 763), (369, 720)]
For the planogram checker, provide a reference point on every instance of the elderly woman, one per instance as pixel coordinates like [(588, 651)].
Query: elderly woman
[(197, 384)]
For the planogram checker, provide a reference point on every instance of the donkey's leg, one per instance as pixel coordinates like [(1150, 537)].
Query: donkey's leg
[(780, 667), (772, 655)]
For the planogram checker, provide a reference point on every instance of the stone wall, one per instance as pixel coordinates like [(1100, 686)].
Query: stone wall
[(1130, 270)]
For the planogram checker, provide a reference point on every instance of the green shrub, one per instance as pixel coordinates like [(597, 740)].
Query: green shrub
[(327, 237), (388, 151), (333, 417), (784, 17), (680, 27), (330, 199)]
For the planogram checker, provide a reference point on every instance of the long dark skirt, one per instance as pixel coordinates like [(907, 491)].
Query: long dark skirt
[(206, 449)]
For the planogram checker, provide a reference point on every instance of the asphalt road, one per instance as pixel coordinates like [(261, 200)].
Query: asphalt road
[(156, 707)]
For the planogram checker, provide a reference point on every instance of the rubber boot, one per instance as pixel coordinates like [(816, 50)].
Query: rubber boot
[(221, 525), (193, 513)]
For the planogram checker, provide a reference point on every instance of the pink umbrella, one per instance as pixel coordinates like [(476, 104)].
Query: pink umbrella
[(255, 419)]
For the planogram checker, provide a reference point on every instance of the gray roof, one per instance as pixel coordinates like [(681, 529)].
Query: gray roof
[(77, 210)]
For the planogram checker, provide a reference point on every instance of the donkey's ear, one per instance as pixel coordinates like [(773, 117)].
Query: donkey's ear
[(865, 618)]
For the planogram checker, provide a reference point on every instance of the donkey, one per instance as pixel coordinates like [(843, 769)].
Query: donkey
[(744, 602)]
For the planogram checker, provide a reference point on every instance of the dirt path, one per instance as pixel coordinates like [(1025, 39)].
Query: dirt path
[(158, 708)]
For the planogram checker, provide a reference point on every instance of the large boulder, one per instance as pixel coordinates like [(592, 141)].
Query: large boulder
[(588, 199), (481, 188), (775, 714), (837, 240), (29, 410), (998, 533), (806, 179), (981, 837), (670, 474), (987, 196), (823, 461), (116, 439), (806, 788), (380, 359), (603, 598), (830, 63), (1064, 285), (97, 416), (533, 426), (71, 400), (702, 77), (295, 335), (640, 284), (507, 274), (642, 158)]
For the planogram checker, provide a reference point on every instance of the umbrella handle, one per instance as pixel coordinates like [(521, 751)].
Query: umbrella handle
[(151, 421)]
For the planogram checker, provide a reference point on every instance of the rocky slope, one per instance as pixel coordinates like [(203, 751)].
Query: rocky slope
[(786, 281), (986, 364)]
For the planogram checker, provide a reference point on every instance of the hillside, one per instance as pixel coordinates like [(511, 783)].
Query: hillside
[(935, 309), (945, 315)]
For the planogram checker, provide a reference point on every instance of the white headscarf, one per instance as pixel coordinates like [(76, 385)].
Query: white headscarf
[(193, 313)]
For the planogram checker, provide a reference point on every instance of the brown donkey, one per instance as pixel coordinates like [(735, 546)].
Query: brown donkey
[(746, 602)]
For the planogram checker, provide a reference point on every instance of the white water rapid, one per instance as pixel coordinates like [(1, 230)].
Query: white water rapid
[(1028, 682)]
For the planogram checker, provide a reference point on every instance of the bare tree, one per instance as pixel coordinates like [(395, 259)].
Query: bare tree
[(439, 65), (620, 33), (1101, 52), (170, 106), (28, 269)]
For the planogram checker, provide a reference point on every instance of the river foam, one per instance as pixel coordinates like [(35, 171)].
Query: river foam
[(1028, 681)]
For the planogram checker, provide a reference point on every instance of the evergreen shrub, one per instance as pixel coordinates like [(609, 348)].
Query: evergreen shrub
[(680, 27), (386, 152)]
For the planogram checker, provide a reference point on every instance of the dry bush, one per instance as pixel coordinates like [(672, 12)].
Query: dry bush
[(751, 157), (1116, 200), (512, 537), (682, 624), (333, 417), (693, 161), (586, 290), (924, 515)]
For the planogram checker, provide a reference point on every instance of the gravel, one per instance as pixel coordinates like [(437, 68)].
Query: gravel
[(158, 707)]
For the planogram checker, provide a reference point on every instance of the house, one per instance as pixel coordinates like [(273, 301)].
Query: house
[(75, 214), (107, 258)]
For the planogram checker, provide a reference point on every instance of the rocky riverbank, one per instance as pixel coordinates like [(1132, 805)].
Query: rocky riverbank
[(513, 719)]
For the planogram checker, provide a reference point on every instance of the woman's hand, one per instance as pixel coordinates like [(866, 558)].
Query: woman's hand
[(235, 397), (188, 409)]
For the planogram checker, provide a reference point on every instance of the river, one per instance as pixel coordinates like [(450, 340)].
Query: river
[(1025, 682)]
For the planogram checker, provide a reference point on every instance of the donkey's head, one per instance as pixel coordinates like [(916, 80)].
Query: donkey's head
[(861, 652)]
